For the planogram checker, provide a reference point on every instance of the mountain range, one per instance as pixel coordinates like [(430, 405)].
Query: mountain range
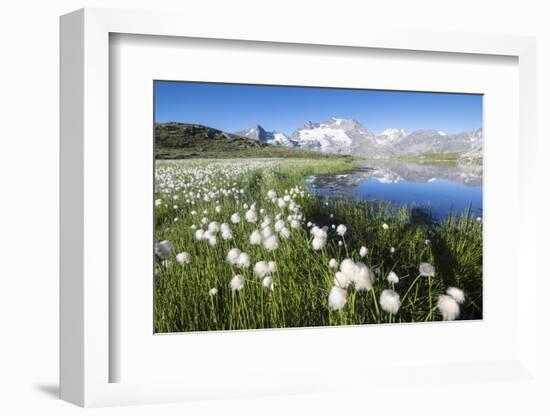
[(184, 140), (350, 137)]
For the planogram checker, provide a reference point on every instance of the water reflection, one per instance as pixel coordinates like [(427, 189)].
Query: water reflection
[(439, 188)]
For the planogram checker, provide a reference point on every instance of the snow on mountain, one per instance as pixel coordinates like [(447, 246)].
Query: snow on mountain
[(348, 136), (336, 135), (390, 136), (271, 137)]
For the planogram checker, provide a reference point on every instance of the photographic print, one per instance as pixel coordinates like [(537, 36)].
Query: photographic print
[(293, 207)]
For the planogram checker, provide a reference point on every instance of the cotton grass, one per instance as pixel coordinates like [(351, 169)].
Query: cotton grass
[(261, 268), (183, 258), (341, 230), (233, 256), (392, 277), (271, 243), (237, 283), (390, 301), (456, 294), (448, 307), (426, 270), (322, 267), (337, 298)]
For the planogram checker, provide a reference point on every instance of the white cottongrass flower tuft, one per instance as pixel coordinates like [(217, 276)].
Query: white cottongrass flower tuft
[(319, 238), (392, 277), (337, 298), (341, 230), (285, 232), (183, 258), (251, 215), (318, 243), (213, 291), (385, 226), (213, 240), (163, 249), (227, 234), (199, 234), (271, 243), (448, 307), (266, 232), (271, 194), (318, 232), (342, 280), (237, 283), (261, 268), (279, 225), (255, 238), (218, 209), (233, 256), (214, 227), (356, 273), (427, 242), (333, 264), (363, 251), (456, 294), (392, 250), (390, 301), (363, 277), (235, 218), (294, 224), (272, 267), (426, 270), (243, 261), (267, 282)]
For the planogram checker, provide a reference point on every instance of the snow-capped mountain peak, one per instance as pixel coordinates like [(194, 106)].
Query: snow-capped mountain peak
[(392, 132), (342, 123), (335, 135), (272, 137)]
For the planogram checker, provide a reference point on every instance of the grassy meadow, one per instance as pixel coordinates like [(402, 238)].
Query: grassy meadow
[(242, 244)]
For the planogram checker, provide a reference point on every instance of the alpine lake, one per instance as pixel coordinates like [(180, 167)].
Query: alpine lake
[(436, 188)]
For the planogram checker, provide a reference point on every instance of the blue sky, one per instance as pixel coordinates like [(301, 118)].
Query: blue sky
[(233, 107)]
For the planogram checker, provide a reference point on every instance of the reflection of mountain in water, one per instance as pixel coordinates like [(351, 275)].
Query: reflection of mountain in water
[(386, 171)]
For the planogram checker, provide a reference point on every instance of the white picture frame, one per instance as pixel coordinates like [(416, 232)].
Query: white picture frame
[(85, 352)]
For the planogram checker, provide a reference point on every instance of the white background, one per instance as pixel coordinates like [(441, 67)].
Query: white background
[(29, 209)]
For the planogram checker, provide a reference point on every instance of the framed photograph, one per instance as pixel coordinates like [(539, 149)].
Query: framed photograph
[(316, 223), (281, 214)]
